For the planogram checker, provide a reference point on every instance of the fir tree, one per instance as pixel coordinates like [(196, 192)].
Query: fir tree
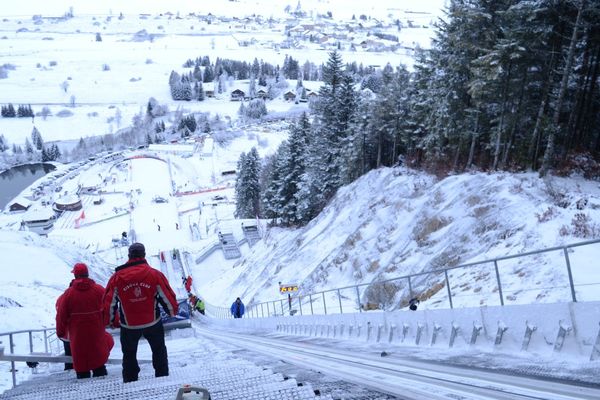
[(55, 152), (272, 185), (247, 186), (36, 139), (293, 168), (46, 156), (252, 87)]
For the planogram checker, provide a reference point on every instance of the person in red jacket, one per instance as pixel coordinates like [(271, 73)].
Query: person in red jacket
[(131, 301), (79, 318), (65, 339), (188, 284)]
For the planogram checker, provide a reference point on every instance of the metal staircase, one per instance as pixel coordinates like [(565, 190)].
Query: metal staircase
[(251, 234), (229, 246)]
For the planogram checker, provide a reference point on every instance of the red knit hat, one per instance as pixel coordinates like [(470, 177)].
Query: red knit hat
[(80, 270)]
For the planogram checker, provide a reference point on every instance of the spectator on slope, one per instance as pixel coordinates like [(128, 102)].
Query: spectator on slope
[(79, 319), (131, 300), (188, 284), (237, 308), (200, 306), (192, 299), (413, 303)]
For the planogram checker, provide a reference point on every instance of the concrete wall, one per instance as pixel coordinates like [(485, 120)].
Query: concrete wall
[(454, 328)]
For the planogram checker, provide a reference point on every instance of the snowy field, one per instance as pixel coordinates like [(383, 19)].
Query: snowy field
[(96, 88)]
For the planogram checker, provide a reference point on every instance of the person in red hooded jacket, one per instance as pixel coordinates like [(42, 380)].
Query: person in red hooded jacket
[(131, 300), (65, 339), (79, 318)]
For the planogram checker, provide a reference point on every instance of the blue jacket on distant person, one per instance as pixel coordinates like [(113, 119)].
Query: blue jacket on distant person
[(237, 308)]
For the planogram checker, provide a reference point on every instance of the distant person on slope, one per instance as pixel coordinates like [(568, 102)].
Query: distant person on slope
[(192, 299), (79, 319), (132, 297), (413, 303), (200, 306), (237, 308)]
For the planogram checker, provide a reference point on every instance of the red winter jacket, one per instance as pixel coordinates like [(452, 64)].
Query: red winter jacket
[(79, 318), (188, 284), (136, 289)]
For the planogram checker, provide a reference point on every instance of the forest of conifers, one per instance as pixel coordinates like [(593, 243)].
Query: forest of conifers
[(507, 85)]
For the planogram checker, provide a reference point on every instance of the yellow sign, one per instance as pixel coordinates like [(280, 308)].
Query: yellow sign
[(288, 288)]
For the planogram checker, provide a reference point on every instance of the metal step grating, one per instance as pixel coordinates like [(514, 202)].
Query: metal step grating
[(226, 378)]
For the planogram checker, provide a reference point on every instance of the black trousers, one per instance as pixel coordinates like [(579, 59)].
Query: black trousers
[(100, 371), (155, 335), (67, 347)]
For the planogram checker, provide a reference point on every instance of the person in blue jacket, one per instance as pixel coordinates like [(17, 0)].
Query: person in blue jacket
[(237, 308)]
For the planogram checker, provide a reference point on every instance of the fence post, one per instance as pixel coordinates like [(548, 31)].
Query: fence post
[(262, 311), (300, 304), (324, 304), (12, 363), (46, 340), (281, 303), (448, 287), (410, 288), (267, 303), (566, 251), (311, 306), (499, 284), (358, 299), (340, 300), (30, 342)]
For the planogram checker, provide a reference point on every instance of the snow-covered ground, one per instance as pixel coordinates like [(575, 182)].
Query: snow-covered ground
[(96, 87), (391, 222)]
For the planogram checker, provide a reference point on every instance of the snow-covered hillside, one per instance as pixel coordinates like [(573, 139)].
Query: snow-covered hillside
[(395, 222), (391, 222)]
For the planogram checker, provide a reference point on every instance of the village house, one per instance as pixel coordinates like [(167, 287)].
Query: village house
[(289, 96), (237, 95), (20, 204), (262, 94)]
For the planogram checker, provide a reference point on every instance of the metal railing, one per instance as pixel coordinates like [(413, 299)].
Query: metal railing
[(45, 337), (348, 298)]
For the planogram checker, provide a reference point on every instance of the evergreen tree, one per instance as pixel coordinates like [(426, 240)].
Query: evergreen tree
[(36, 139), (3, 144), (293, 168), (199, 91), (333, 111), (271, 199), (247, 187), (209, 74), (46, 155), (197, 73), (8, 111), (252, 87), (255, 69), (55, 153)]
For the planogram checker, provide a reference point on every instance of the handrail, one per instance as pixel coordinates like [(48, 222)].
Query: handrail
[(11, 345), (253, 308), (27, 330)]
